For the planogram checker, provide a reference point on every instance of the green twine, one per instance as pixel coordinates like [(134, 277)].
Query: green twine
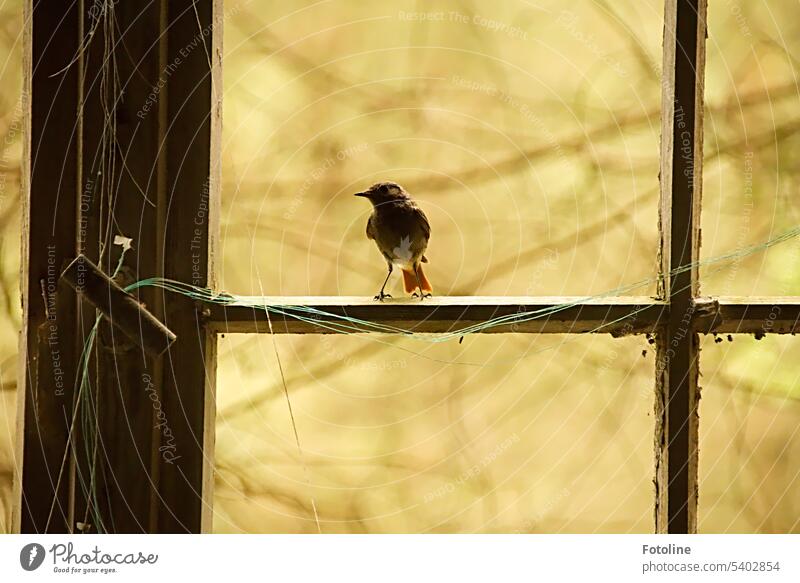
[(344, 324), (88, 409)]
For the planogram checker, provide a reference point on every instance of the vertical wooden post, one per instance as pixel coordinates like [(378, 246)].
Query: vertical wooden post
[(677, 392), (49, 208), (119, 195), (140, 161), (190, 146)]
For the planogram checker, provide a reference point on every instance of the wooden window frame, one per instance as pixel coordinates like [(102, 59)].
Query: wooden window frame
[(177, 166)]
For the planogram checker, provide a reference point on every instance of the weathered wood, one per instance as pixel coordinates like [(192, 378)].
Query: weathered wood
[(83, 460), (677, 344), (121, 308), (212, 231), (617, 316), (191, 146), (748, 315), (156, 415), (158, 189), (139, 157), (49, 207), (119, 165)]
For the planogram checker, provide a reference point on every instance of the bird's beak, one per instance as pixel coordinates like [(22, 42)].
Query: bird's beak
[(360, 194)]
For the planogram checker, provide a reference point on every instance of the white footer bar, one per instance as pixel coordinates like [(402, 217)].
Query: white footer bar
[(402, 558)]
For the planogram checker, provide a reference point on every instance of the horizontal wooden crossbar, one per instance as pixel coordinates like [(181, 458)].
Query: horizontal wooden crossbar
[(748, 315), (617, 316)]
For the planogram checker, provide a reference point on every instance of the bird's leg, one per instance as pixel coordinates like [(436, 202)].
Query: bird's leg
[(422, 294), (381, 296)]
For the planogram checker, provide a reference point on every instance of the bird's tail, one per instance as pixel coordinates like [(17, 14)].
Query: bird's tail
[(410, 281)]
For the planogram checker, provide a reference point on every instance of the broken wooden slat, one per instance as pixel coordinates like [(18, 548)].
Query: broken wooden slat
[(121, 308)]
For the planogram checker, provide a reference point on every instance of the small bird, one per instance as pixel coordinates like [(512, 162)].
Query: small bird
[(401, 231)]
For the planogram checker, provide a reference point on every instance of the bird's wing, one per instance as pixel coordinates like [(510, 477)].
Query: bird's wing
[(423, 221)]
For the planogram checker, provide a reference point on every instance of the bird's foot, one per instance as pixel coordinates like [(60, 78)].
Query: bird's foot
[(381, 296), (423, 296)]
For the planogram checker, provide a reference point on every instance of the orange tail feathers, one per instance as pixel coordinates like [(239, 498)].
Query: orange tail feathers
[(410, 281)]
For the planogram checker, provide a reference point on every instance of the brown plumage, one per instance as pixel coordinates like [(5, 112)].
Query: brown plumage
[(401, 231)]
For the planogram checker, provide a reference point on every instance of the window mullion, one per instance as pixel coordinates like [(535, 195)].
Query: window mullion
[(677, 392)]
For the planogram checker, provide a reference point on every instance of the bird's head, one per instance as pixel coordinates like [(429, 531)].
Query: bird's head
[(384, 192)]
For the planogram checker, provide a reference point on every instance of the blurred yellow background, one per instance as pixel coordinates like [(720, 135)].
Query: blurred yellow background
[(529, 134)]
